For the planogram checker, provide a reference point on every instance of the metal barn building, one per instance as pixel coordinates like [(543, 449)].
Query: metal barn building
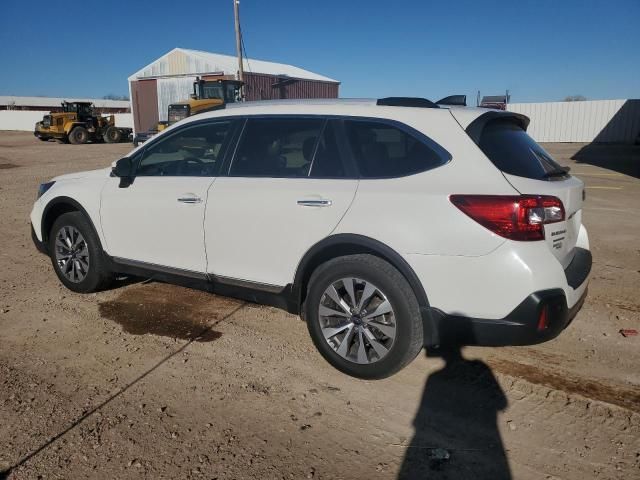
[(170, 79)]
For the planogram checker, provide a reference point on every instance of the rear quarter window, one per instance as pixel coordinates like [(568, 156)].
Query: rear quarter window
[(513, 151), (384, 150)]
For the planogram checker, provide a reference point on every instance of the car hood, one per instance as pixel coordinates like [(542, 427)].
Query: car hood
[(100, 173)]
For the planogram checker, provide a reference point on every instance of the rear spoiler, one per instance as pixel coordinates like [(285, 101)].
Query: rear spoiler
[(474, 129)]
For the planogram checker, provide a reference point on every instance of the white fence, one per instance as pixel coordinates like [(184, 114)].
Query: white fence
[(615, 121), (25, 120)]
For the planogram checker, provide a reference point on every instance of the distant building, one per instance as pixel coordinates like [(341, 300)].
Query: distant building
[(170, 78), (495, 101), (51, 104)]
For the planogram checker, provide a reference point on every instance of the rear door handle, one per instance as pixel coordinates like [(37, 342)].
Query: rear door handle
[(189, 199), (315, 203)]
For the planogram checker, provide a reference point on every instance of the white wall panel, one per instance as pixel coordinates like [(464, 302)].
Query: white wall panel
[(24, 120), (616, 121), (172, 90)]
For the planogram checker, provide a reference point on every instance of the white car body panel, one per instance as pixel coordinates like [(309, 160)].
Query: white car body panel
[(414, 215), (145, 222), (83, 187), (256, 231), (493, 285)]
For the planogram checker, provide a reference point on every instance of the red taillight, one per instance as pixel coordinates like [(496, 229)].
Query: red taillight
[(516, 217)]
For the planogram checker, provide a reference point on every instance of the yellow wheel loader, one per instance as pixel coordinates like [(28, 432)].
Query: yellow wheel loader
[(207, 95), (77, 123)]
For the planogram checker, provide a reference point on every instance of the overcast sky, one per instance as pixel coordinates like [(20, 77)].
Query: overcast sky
[(539, 50)]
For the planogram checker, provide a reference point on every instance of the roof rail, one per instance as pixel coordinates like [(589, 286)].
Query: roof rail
[(388, 102), (460, 100), (406, 102), (302, 101)]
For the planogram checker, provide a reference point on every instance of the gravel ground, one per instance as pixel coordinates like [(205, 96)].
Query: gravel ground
[(150, 380)]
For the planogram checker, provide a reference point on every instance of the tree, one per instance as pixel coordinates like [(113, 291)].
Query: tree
[(575, 98), (111, 96)]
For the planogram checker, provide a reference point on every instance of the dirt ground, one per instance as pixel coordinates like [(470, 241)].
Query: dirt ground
[(149, 380)]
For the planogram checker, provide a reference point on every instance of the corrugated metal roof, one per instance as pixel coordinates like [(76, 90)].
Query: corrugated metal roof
[(55, 102), (182, 61)]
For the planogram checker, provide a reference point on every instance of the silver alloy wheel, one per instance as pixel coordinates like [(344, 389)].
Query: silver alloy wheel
[(72, 254), (357, 320)]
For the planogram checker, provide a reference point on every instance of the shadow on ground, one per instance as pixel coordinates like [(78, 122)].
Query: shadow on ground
[(456, 430), (623, 159)]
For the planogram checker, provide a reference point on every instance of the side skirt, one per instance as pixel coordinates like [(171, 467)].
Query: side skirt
[(279, 297)]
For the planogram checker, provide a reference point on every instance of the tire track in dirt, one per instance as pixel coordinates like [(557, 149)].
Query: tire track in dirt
[(627, 397)]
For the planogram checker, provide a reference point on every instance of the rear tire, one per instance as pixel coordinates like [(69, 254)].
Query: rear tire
[(112, 135), (378, 344), (78, 135), (76, 254), (43, 139)]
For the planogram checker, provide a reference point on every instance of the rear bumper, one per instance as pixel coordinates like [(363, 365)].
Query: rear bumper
[(522, 326)]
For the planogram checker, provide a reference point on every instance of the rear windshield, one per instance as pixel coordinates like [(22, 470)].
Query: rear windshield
[(514, 152)]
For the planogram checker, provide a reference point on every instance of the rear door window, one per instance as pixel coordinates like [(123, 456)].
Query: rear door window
[(513, 151), (277, 147), (383, 150), (328, 161)]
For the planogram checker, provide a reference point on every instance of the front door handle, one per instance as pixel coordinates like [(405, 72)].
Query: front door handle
[(189, 199), (315, 203)]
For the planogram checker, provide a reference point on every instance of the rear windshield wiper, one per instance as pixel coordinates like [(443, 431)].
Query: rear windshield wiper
[(558, 172)]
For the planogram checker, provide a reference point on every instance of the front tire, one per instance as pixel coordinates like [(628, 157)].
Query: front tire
[(363, 316), (76, 254), (78, 135), (112, 135)]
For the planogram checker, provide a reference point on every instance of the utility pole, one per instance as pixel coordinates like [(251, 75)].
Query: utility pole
[(236, 14)]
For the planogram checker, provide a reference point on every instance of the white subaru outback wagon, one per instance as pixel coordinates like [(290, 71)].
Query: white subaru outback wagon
[(388, 225)]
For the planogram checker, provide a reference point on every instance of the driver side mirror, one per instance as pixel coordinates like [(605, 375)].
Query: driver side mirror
[(123, 169)]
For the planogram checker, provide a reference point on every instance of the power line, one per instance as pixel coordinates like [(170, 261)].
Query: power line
[(244, 49)]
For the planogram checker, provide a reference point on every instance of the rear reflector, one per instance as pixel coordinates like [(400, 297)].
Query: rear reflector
[(543, 319), (516, 217)]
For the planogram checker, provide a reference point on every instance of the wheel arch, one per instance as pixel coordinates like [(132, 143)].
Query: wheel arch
[(59, 206), (71, 125), (350, 244)]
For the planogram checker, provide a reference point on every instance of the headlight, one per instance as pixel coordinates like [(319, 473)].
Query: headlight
[(43, 188)]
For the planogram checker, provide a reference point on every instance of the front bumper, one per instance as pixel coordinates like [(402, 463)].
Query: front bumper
[(40, 245)]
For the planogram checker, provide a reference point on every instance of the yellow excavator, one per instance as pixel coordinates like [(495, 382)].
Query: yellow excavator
[(208, 94)]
